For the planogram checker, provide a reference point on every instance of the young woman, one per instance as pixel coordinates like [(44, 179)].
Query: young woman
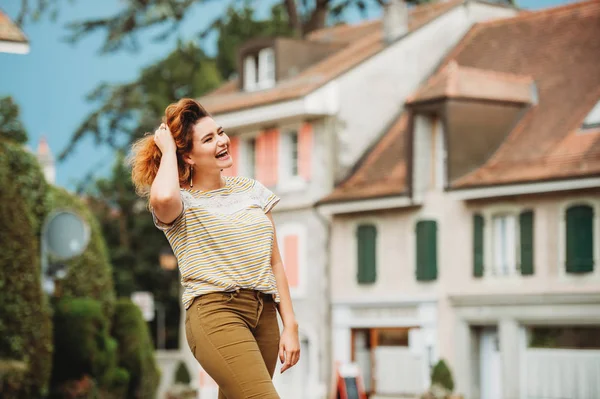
[(222, 233)]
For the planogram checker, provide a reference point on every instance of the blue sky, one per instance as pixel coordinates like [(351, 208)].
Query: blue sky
[(51, 82)]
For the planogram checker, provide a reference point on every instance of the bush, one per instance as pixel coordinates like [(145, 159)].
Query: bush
[(136, 353), (25, 329), (82, 344), (182, 374), (90, 274), (116, 384), (442, 376)]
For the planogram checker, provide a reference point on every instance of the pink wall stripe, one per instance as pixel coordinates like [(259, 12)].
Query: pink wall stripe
[(305, 138), (291, 261)]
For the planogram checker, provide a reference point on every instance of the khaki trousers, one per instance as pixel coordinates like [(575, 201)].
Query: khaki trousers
[(235, 338)]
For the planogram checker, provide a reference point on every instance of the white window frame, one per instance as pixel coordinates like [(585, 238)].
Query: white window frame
[(287, 182), (250, 73), (247, 165), (592, 119), (440, 156), (266, 68), (300, 231), (508, 269), (488, 239), (562, 239)]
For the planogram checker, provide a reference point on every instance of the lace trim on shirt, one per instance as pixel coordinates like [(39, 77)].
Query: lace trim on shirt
[(227, 204)]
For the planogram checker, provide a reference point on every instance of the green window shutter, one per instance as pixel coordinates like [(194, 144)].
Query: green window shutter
[(526, 230), (477, 245), (367, 243), (580, 239), (426, 250)]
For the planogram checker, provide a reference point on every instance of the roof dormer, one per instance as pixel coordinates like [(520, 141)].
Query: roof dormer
[(258, 64), (264, 62)]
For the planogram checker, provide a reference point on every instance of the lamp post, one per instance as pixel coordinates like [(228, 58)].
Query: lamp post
[(65, 235)]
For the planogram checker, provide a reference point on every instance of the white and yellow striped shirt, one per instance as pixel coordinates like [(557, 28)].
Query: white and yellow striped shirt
[(223, 239)]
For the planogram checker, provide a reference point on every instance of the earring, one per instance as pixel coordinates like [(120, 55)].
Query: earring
[(191, 176)]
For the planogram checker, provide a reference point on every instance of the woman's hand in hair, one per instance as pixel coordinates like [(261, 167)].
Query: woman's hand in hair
[(164, 139)]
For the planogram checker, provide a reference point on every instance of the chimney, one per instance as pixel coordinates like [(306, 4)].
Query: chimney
[(395, 20), (46, 160)]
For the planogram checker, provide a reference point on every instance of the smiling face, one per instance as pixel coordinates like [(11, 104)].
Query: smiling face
[(210, 149)]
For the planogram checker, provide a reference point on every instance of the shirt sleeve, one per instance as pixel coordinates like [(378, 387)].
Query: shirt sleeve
[(168, 226), (267, 200)]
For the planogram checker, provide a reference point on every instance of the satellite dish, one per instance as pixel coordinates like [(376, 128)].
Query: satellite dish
[(66, 235)]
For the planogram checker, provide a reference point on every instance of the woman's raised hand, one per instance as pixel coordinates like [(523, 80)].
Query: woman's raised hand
[(164, 139)]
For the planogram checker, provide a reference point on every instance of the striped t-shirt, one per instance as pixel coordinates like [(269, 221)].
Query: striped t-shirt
[(223, 239)]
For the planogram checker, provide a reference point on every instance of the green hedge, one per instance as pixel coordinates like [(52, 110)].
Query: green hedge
[(136, 353), (90, 274), (25, 329), (85, 355), (82, 342)]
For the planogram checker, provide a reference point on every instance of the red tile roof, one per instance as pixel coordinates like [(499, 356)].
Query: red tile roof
[(455, 81), (382, 172), (559, 49), (365, 40), (9, 31)]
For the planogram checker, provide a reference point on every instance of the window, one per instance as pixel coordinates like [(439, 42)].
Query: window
[(259, 70), (504, 244), (511, 245), (478, 255), (289, 160), (293, 153), (266, 68), (592, 120), (296, 156), (249, 157), (426, 250), (580, 239), (366, 254), (250, 73)]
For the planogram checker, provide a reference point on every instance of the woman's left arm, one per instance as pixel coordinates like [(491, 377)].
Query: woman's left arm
[(289, 344)]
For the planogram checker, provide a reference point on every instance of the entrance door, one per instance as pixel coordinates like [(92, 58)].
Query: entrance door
[(491, 365)]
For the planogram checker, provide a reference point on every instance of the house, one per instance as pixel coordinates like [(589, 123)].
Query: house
[(302, 113), (12, 39), (470, 232)]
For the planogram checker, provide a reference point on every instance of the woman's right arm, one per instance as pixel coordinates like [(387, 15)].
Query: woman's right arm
[(165, 198)]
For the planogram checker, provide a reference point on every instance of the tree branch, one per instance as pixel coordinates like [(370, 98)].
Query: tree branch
[(23, 12), (294, 20), (318, 17)]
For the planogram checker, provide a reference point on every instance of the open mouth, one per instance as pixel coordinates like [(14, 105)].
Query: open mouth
[(223, 154)]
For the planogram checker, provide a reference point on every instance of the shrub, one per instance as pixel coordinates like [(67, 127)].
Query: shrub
[(25, 329), (182, 374), (82, 344), (116, 384), (136, 353), (442, 376)]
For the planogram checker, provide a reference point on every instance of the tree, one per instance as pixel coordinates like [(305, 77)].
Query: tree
[(240, 25), (127, 111), (303, 17), (134, 243), (25, 325), (11, 127)]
